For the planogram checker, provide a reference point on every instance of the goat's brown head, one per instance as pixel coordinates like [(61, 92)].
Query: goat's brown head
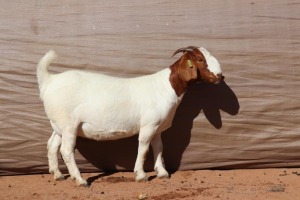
[(197, 64)]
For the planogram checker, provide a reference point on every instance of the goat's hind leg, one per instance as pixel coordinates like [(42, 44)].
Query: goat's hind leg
[(53, 145), (67, 152)]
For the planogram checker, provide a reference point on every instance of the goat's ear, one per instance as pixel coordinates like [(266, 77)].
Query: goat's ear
[(187, 68)]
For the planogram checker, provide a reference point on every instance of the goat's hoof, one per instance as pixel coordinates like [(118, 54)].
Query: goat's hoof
[(86, 185), (141, 178), (57, 175), (59, 178), (82, 183), (163, 175)]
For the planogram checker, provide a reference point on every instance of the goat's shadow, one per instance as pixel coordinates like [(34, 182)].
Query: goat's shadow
[(206, 98), (121, 154)]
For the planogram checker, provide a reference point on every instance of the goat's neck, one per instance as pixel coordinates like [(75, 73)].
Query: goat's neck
[(177, 83)]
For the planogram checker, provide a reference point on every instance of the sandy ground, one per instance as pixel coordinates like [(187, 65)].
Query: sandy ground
[(259, 184)]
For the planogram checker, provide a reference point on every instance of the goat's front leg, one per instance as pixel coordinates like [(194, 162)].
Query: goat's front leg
[(159, 166), (145, 137), (67, 152)]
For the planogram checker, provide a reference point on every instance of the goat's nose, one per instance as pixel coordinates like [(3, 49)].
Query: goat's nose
[(220, 76)]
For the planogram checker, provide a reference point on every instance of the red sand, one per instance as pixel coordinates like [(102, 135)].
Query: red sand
[(261, 184)]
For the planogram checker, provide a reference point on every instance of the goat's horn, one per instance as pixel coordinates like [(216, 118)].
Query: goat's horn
[(182, 50), (185, 49), (192, 47)]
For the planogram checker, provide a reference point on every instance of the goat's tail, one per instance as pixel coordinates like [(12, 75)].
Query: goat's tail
[(42, 69)]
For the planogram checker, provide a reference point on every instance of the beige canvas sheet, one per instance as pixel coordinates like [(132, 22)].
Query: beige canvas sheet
[(250, 121)]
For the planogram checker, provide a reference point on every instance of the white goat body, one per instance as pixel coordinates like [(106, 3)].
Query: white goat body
[(109, 108), (101, 107)]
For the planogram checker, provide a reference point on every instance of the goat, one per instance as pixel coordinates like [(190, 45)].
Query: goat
[(101, 107)]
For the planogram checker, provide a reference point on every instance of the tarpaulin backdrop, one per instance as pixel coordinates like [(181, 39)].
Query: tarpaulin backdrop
[(250, 121)]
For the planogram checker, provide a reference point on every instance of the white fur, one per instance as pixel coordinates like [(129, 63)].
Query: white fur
[(213, 64), (101, 107)]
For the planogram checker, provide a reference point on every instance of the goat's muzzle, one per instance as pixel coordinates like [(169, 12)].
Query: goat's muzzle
[(220, 78)]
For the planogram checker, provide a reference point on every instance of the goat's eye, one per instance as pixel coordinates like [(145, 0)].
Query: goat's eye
[(202, 60)]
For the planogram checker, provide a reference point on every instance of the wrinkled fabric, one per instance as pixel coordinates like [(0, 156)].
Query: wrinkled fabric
[(249, 121)]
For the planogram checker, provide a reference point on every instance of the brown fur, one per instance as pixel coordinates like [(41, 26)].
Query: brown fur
[(177, 83), (184, 72)]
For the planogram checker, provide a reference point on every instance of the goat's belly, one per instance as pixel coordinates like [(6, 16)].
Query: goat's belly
[(88, 131)]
